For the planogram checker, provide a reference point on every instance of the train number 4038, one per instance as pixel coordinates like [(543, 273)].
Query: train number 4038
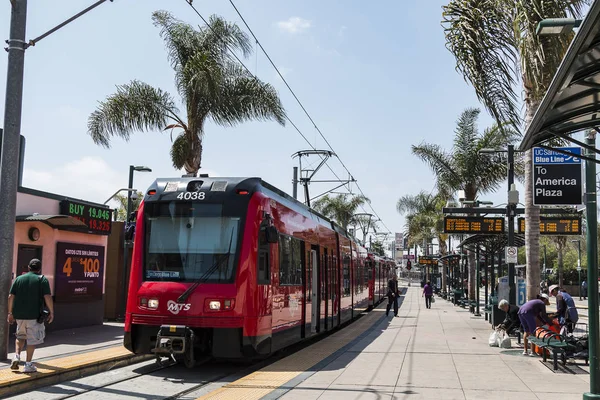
[(191, 196)]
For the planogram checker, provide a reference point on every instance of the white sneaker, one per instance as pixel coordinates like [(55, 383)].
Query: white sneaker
[(525, 353), (15, 362), (29, 367), (532, 354)]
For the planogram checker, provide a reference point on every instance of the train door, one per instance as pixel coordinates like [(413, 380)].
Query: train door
[(334, 293), (314, 315)]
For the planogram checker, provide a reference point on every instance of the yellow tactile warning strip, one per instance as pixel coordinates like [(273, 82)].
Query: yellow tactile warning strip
[(260, 383), (56, 366)]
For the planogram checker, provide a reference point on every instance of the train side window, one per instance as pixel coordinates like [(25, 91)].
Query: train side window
[(290, 260), (264, 272)]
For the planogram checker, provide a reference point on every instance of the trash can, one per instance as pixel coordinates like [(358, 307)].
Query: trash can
[(458, 294)]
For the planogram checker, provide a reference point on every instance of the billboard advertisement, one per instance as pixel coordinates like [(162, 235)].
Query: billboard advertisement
[(79, 272)]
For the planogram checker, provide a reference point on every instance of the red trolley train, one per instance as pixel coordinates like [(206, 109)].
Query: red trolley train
[(235, 268)]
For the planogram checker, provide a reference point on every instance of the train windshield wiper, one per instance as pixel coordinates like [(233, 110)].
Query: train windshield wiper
[(183, 297)]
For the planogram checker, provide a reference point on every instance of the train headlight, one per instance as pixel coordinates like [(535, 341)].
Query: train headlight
[(214, 305), (153, 304)]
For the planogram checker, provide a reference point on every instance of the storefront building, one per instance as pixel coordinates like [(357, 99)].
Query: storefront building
[(70, 237)]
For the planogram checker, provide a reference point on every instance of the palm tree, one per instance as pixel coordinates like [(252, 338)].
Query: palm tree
[(497, 49), (212, 86), (425, 221), (122, 200), (340, 208), (464, 168)]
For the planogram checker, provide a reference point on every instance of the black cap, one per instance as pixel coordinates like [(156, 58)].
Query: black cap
[(35, 264)]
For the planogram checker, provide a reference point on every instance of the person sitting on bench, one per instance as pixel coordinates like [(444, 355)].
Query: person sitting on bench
[(512, 321)]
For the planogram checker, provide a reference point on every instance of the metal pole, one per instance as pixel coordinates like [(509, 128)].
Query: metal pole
[(295, 183), (487, 281), (477, 280), (511, 209), (545, 264), (591, 212), (579, 264), (493, 278), (125, 275), (9, 159)]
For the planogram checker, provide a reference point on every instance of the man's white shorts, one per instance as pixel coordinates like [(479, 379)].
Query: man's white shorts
[(31, 330)]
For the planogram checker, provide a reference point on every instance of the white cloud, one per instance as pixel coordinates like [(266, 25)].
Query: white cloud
[(294, 25), (92, 179), (342, 31), (89, 178)]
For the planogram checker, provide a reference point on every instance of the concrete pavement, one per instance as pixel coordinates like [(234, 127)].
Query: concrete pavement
[(437, 353)]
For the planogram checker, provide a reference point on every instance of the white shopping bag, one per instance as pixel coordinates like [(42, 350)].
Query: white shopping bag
[(505, 341), (494, 339)]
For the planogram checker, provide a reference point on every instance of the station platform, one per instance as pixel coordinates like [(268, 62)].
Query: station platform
[(441, 352), (68, 354)]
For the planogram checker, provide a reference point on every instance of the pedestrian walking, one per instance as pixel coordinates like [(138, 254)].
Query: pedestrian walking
[(26, 300), (583, 290), (392, 295), (428, 294)]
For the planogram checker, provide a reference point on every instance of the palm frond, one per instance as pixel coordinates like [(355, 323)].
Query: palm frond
[(135, 106), (440, 163), (244, 97), (540, 56), (481, 38)]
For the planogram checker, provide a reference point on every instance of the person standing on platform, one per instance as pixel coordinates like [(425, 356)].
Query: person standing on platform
[(583, 290), (28, 294), (428, 294), (392, 295)]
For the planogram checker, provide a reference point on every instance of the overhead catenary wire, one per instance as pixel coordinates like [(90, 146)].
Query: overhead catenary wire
[(302, 106), (189, 2)]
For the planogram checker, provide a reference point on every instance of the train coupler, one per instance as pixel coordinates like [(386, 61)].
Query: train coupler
[(175, 340)]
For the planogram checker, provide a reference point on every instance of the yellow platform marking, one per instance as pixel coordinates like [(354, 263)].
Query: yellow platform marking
[(262, 382), (10, 377)]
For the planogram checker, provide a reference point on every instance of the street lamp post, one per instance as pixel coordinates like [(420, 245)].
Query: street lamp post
[(578, 263), (545, 277), (511, 211), (125, 275)]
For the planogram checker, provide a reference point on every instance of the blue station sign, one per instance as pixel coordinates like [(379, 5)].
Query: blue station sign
[(557, 177)]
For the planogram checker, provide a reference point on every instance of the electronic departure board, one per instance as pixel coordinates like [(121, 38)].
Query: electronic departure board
[(556, 225), (425, 260), (98, 219), (473, 224)]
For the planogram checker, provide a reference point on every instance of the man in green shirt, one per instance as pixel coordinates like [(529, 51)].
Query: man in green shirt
[(27, 295)]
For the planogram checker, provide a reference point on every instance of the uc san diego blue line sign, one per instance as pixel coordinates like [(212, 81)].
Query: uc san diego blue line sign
[(557, 177)]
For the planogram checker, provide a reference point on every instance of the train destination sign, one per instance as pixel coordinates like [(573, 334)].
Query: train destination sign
[(454, 224), (556, 225), (557, 177), (98, 219)]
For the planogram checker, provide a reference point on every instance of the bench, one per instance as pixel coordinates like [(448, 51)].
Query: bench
[(554, 342)]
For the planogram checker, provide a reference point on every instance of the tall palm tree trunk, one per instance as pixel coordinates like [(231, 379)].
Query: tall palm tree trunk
[(443, 252), (532, 217)]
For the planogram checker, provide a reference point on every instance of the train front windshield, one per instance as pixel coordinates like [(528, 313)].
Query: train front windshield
[(188, 241)]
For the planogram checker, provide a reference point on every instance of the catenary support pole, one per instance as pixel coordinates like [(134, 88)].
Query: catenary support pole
[(591, 211), (9, 160), (295, 183)]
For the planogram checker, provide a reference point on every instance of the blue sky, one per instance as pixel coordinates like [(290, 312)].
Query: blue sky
[(376, 79)]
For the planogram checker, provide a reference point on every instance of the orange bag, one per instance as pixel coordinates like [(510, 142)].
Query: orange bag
[(540, 333)]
